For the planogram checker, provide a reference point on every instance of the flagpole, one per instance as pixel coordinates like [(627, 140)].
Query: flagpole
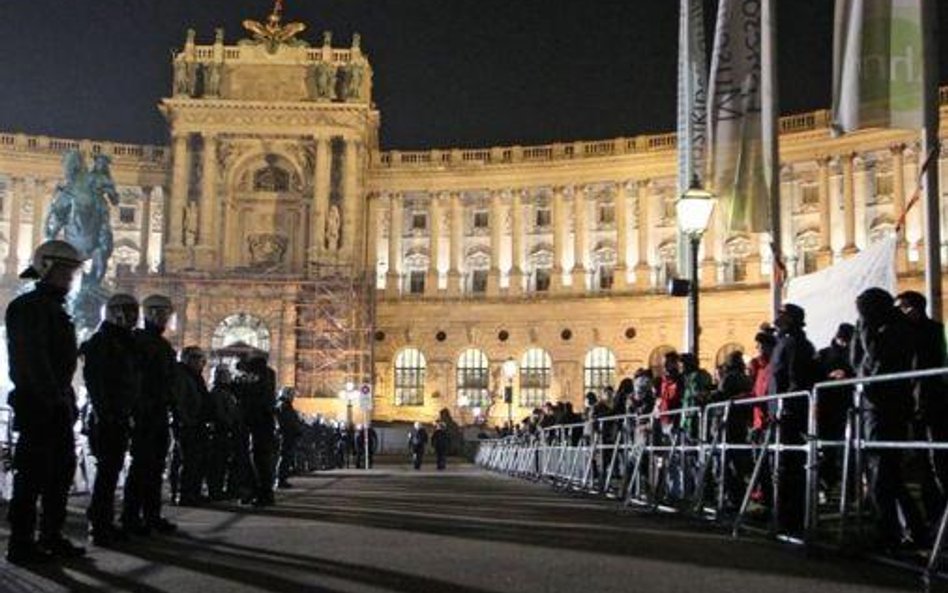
[(929, 142), (769, 22)]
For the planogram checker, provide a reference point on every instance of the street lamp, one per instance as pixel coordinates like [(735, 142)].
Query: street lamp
[(347, 395), (694, 209), (510, 371)]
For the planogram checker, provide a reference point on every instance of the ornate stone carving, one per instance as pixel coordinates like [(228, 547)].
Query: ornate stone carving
[(267, 249)]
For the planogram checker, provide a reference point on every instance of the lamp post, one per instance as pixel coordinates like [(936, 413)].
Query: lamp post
[(347, 394), (694, 209), (510, 371)]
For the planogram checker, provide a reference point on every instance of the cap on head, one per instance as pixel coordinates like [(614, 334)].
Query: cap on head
[(157, 301), (795, 313), (191, 353), (50, 254), (121, 300)]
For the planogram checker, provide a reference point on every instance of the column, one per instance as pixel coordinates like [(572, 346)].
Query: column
[(849, 208), (457, 227), (643, 274), (372, 271), (40, 199), (207, 235), (496, 235), (579, 239), (320, 197), (622, 236), (177, 203), (16, 205), (353, 201), (392, 284), (862, 172), (144, 237), (516, 242), (787, 248), (559, 237), (434, 244), (825, 254), (898, 204)]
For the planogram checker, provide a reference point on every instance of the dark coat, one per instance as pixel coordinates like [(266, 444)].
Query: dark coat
[(288, 421), (41, 342), (158, 376), (931, 393), (418, 439), (793, 367), (440, 440), (112, 373), (193, 406), (880, 347)]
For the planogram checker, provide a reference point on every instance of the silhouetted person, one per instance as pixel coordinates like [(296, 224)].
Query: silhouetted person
[(112, 375), (931, 395), (141, 511), (835, 402), (256, 397), (440, 441), (883, 344), (221, 472), (193, 414), (41, 341), (417, 441), (359, 440), (290, 427), (793, 367)]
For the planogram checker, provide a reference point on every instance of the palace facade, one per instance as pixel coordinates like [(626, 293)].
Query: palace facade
[(275, 221)]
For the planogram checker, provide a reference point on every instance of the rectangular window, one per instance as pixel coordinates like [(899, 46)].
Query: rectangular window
[(607, 214), (419, 221), (479, 281), (606, 277), (738, 270), (809, 262), (542, 281), (544, 218), (810, 195), (884, 185), (127, 215), (416, 282), (481, 219)]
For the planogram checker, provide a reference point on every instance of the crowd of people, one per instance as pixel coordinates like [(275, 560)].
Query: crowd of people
[(232, 440), (892, 335)]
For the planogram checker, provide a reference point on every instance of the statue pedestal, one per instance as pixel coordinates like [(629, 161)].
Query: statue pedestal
[(86, 307)]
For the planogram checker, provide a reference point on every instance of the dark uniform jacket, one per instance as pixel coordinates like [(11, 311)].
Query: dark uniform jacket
[(42, 355), (112, 373), (158, 376), (289, 421), (193, 405), (439, 440), (793, 367), (932, 392)]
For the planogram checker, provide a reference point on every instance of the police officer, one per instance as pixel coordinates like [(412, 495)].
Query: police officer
[(256, 396), (41, 340), (291, 427), (113, 379), (193, 416), (142, 505)]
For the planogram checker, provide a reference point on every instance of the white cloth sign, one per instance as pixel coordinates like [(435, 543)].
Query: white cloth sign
[(829, 296)]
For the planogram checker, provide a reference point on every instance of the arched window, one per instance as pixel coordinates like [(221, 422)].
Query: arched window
[(473, 378), (410, 378), (599, 370), (242, 328), (536, 367), (656, 360), (724, 351)]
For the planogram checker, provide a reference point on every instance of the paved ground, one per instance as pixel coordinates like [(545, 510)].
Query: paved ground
[(463, 531)]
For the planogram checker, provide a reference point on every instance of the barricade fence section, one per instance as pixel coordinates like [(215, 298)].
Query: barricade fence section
[(809, 466)]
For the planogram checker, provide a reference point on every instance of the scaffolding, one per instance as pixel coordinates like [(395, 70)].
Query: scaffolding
[(335, 327)]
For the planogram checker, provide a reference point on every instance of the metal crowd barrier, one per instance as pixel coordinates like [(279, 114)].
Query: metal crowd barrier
[(650, 461)]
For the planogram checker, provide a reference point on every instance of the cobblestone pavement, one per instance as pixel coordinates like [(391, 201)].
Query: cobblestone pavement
[(459, 531)]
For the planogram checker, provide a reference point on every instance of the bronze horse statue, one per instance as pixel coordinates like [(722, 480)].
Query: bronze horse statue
[(80, 211)]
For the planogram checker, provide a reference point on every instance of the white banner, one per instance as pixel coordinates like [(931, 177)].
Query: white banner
[(692, 107), (829, 296), (741, 109), (878, 64)]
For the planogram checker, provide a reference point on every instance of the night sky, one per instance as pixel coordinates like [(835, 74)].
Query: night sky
[(447, 72)]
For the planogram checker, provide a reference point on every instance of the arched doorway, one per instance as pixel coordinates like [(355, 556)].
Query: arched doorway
[(241, 328)]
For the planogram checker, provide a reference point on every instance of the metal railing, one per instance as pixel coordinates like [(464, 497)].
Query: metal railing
[(719, 463)]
